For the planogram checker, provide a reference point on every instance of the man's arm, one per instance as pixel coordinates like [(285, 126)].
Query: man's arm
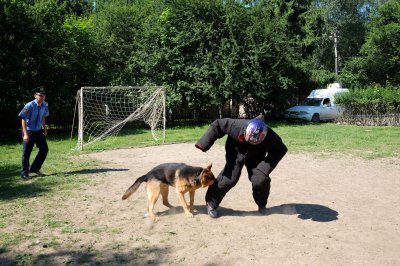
[(25, 114), (274, 155), (217, 130), (44, 126), (24, 130)]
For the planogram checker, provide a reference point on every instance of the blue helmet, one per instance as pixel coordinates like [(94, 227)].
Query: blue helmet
[(256, 131)]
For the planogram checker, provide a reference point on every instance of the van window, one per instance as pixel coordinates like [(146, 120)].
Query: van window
[(311, 102), (327, 102)]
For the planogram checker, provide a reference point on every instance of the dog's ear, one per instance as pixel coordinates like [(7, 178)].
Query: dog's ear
[(207, 177)]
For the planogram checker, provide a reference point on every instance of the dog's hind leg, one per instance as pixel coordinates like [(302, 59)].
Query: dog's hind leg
[(153, 192), (164, 193)]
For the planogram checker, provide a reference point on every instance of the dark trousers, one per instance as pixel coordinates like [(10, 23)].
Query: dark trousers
[(230, 175), (40, 140)]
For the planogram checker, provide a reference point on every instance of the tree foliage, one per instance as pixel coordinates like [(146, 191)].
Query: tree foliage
[(380, 55), (261, 53)]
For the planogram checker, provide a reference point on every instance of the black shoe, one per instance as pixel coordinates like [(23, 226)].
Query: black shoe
[(263, 210), (39, 173), (212, 212), (25, 176)]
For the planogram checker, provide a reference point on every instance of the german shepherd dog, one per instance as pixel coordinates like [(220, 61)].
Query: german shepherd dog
[(184, 178)]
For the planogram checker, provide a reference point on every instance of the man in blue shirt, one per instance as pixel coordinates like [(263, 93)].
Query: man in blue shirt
[(34, 132)]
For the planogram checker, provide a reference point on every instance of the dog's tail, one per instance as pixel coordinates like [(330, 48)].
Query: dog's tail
[(134, 187)]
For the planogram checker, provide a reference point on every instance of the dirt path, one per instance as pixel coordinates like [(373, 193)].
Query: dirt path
[(324, 211)]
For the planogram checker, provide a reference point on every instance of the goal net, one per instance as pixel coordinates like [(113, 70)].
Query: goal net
[(103, 111)]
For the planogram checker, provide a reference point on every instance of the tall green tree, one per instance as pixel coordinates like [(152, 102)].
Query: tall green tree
[(31, 34), (347, 19), (380, 55), (276, 43), (189, 45)]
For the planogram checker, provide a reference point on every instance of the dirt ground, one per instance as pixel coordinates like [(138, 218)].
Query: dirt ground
[(324, 210)]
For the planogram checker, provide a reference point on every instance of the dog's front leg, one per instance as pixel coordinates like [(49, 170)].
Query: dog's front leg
[(191, 193), (184, 204)]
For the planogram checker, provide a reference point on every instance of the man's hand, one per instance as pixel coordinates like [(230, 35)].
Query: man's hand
[(199, 147), (26, 137), (45, 133)]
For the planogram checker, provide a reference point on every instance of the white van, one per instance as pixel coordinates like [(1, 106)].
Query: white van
[(318, 106)]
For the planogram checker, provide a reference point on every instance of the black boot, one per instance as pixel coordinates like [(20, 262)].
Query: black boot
[(263, 210), (212, 212)]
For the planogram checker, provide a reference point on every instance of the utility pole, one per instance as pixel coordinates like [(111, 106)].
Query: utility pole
[(335, 37)]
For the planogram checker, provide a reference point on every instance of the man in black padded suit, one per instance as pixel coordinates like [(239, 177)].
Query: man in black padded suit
[(251, 143)]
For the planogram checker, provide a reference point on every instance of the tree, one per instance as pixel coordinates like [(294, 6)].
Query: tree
[(31, 36), (347, 19), (380, 55)]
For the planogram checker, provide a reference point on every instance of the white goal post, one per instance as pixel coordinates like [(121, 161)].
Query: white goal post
[(103, 111)]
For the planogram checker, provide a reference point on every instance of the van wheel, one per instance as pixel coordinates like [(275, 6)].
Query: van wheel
[(315, 118)]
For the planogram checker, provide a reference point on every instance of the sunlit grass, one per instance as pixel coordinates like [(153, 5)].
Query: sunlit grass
[(366, 142)]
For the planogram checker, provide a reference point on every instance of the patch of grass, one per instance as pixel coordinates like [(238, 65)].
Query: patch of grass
[(139, 239), (366, 142), (85, 258), (141, 138), (48, 243), (14, 238), (116, 231), (69, 229), (117, 246), (90, 246), (51, 221), (98, 230), (23, 259)]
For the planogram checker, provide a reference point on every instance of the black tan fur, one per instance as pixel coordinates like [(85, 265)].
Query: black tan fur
[(184, 178)]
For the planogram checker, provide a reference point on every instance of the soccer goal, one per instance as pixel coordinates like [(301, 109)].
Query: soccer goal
[(103, 111)]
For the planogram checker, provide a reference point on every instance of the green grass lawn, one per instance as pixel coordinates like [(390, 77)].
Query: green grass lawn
[(366, 142), (18, 198)]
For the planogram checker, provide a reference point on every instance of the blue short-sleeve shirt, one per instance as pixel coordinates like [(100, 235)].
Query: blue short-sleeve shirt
[(33, 115)]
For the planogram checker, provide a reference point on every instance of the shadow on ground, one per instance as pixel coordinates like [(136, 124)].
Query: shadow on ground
[(136, 256), (313, 212), (12, 186), (95, 171)]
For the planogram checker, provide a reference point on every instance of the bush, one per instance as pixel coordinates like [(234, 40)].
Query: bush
[(373, 105)]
